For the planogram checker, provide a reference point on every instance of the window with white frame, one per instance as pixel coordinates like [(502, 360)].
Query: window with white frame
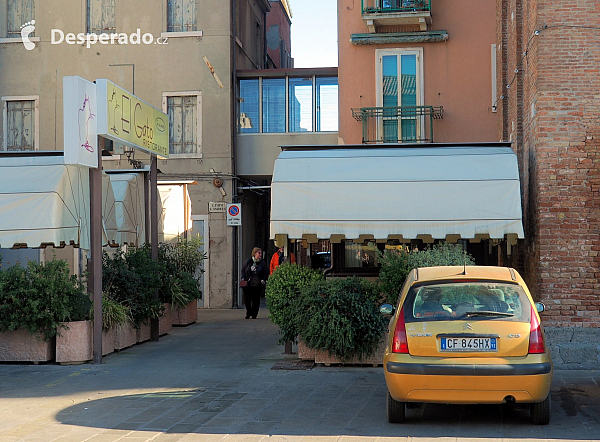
[(184, 110), (19, 123), (101, 16), (18, 14), (181, 15), (399, 84)]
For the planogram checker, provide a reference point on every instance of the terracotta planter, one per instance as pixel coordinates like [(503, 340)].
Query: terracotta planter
[(75, 344), (125, 335), (142, 334), (326, 358), (108, 341), (187, 315), (165, 324), (22, 346)]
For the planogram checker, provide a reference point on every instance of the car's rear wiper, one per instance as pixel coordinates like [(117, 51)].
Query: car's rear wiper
[(487, 313)]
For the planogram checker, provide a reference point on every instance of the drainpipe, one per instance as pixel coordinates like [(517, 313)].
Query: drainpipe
[(234, 181)]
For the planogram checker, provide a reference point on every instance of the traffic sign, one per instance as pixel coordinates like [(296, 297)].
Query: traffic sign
[(234, 214)]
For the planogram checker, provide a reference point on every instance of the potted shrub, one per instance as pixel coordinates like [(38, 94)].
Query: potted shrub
[(182, 266), (282, 291), (115, 320), (130, 279), (36, 302), (340, 320)]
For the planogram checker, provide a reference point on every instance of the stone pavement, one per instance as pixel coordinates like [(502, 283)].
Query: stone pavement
[(215, 381)]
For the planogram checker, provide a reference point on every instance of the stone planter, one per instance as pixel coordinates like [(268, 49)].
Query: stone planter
[(75, 344), (187, 315), (142, 334), (108, 341), (22, 346), (125, 335), (165, 324), (324, 357)]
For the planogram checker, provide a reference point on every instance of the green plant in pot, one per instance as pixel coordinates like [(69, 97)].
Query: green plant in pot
[(283, 289), (131, 279), (341, 316), (180, 272), (41, 297)]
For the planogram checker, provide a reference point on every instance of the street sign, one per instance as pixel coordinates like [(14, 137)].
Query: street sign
[(218, 207), (234, 214)]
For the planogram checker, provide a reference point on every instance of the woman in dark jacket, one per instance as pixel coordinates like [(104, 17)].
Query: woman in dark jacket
[(255, 272)]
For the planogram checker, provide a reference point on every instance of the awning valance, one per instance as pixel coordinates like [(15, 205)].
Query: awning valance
[(469, 191)]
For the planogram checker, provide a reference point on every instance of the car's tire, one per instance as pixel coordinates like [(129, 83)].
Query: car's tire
[(395, 410), (540, 411)]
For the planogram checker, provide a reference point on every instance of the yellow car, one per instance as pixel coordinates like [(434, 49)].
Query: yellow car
[(466, 335)]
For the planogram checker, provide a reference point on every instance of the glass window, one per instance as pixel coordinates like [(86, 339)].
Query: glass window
[(399, 96), (19, 12), (183, 124), (101, 16), (273, 102), (485, 300), (360, 255), (20, 125), (249, 107), (327, 104), (181, 15), (301, 92)]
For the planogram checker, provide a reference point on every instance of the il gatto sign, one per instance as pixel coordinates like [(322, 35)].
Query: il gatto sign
[(126, 119)]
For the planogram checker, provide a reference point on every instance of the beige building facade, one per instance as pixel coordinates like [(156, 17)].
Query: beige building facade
[(179, 56)]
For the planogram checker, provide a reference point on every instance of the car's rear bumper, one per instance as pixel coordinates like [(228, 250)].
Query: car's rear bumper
[(469, 370), (416, 379)]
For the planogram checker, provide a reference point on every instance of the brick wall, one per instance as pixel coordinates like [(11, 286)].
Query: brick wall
[(552, 114)]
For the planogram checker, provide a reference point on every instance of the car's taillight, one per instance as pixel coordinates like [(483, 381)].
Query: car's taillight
[(400, 344), (536, 339)]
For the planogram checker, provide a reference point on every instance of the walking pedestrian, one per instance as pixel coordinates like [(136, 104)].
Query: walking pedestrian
[(255, 273)]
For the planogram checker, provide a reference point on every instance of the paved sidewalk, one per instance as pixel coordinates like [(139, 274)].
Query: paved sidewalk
[(214, 381)]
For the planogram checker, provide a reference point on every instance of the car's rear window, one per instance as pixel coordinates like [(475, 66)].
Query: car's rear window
[(467, 300)]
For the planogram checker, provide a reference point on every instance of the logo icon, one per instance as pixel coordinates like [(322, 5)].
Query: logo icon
[(27, 29), (468, 326)]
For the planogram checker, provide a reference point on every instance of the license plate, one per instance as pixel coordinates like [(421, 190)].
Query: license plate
[(468, 344)]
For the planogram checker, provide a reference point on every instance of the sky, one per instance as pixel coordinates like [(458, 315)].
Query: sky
[(314, 33)]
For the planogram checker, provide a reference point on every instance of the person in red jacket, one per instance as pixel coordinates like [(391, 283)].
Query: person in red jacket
[(278, 259)]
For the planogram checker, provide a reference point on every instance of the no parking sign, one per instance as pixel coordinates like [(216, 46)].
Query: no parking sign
[(234, 214)]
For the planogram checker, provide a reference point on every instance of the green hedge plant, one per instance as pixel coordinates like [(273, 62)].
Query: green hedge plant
[(341, 316), (41, 297), (283, 289), (397, 264), (131, 279)]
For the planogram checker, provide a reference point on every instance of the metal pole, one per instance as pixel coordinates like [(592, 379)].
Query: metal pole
[(146, 209), (96, 249), (154, 328)]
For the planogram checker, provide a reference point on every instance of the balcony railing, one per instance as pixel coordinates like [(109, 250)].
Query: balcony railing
[(383, 6), (405, 124)]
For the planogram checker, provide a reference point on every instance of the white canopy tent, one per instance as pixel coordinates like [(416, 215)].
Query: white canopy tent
[(130, 208), (441, 191), (43, 201)]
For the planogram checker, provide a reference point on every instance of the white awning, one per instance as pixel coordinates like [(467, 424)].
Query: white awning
[(472, 191), (176, 210), (43, 201), (130, 212)]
